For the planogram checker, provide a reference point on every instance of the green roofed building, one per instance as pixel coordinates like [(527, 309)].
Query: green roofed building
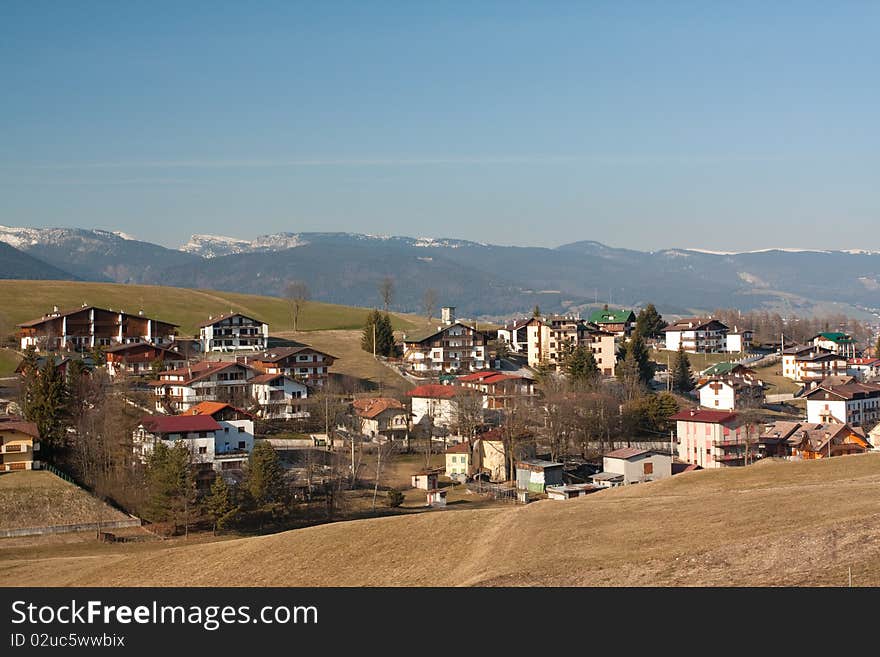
[(838, 342), (619, 322)]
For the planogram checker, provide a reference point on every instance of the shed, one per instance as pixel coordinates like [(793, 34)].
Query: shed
[(425, 479), (535, 474), (568, 491)]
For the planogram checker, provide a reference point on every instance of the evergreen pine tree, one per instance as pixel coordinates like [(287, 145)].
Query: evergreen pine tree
[(371, 332), (536, 312), (628, 374), (264, 479), (649, 322), (45, 403), (682, 376), (581, 367), (220, 505), (646, 366), (171, 487)]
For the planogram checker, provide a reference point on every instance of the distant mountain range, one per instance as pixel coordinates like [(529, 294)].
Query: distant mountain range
[(482, 280)]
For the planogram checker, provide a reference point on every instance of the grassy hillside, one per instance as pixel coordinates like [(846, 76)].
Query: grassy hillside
[(774, 523), (9, 360), (24, 300), (35, 498)]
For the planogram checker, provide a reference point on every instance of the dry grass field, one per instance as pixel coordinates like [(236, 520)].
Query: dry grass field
[(21, 301), (771, 524), (37, 498)]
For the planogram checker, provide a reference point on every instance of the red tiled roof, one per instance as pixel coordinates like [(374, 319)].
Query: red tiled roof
[(699, 415), (626, 453), (178, 423), (371, 407), (196, 372), (435, 391), (863, 361), (461, 448)]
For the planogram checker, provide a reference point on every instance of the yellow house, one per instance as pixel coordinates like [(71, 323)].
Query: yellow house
[(18, 442), (458, 461)]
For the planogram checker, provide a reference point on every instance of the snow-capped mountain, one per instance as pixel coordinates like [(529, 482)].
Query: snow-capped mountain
[(214, 246), (95, 254)]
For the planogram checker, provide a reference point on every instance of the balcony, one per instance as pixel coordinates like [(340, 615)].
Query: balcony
[(13, 449)]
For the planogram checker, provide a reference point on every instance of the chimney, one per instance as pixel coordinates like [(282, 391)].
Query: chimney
[(141, 312), (447, 315), (693, 412)]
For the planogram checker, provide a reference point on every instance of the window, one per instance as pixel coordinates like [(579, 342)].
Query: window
[(241, 444), (203, 434), (225, 429), (240, 429), (203, 450), (648, 468)]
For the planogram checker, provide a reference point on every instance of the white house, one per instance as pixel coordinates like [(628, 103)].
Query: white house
[(198, 432), (234, 440), (279, 396), (864, 369), (697, 335), (233, 332), (739, 340), (439, 402), (177, 391), (856, 404), (810, 363), (630, 465), (731, 392), (840, 343)]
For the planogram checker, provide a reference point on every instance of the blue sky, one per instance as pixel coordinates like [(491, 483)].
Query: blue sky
[(639, 124)]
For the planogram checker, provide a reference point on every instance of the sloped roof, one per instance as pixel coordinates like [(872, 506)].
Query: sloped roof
[(422, 336), (374, 406), (66, 313), (220, 318), (280, 353), (16, 424), (627, 453), (212, 408), (692, 324), (847, 391), (178, 423), (196, 372), (612, 316), (460, 448), (435, 391), (700, 415), (837, 337)]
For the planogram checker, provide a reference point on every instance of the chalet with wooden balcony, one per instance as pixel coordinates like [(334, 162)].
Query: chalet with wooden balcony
[(697, 335), (139, 359), (731, 392), (178, 390), (233, 332), (19, 445), (500, 390), (88, 327), (456, 347), (812, 440), (300, 362), (857, 404), (838, 342)]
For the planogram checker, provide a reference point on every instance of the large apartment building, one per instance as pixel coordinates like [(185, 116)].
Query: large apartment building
[(88, 327), (857, 404), (551, 339)]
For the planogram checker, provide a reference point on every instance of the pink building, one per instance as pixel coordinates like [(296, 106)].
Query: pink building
[(714, 439)]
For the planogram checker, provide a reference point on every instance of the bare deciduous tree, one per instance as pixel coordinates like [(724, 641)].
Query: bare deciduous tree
[(429, 302), (297, 294), (386, 291)]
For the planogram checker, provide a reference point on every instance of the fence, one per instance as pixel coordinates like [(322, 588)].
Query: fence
[(64, 529), (494, 491)]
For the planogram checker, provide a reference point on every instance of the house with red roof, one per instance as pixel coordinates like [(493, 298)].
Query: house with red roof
[(381, 417), (499, 390), (200, 433), (279, 397), (234, 441), (714, 439), (438, 402), (864, 369), (298, 361)]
